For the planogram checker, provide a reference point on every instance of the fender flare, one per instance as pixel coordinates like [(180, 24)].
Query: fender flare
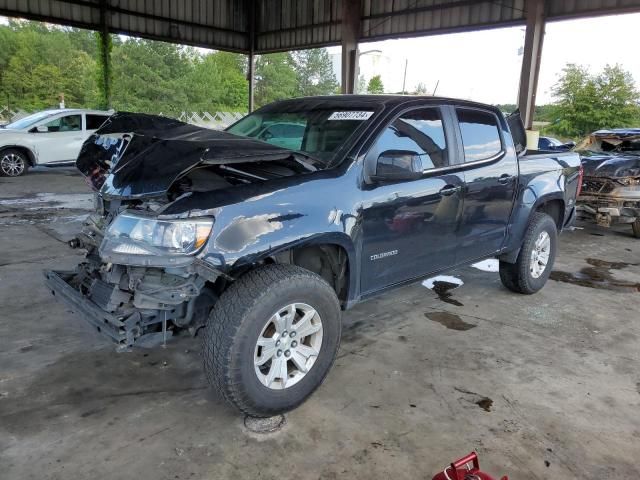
[(519, 227)]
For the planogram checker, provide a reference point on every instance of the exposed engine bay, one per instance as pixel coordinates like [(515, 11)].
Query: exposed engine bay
[(147, 300), (611, 182)]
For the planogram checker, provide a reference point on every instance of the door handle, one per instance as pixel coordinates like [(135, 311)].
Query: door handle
[(448, 190), (505, 178)]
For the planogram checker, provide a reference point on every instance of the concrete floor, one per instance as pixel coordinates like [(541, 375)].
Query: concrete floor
[(542, 386)]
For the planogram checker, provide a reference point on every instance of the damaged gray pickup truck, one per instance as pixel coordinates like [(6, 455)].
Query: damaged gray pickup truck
[(263, 233), (611, 185)]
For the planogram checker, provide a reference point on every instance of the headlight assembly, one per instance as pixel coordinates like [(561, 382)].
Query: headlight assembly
[(134, 235)]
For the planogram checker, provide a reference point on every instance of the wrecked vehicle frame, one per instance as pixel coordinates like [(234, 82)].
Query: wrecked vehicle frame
[(610, 192), (265, 244)]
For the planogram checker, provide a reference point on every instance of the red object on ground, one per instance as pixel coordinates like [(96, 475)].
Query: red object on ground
[(460, 470)]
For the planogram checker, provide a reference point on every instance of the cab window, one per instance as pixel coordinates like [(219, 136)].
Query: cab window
[(480, 134), (420, 131), (68, 123)]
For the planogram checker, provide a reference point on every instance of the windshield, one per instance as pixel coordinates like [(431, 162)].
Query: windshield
[(29, 120), (317, 132)]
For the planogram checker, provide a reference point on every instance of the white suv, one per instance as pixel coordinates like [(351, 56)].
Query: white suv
[(51, 137)]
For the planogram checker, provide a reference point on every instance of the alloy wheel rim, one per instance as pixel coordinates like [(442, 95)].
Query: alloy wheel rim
[(540, 254), (12, 165), (288, 346)]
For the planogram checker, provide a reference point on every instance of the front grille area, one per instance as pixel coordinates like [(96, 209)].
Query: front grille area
[(108, 296)]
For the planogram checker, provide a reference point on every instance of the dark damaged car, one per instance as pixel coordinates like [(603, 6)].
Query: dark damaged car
[(263, 233), (611, 186)]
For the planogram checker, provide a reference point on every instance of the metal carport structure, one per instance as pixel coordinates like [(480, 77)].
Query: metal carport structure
[(255, 27)]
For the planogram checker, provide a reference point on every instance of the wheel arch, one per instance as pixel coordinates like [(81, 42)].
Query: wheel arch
[(553, 204), (31, 156), (330, 255)]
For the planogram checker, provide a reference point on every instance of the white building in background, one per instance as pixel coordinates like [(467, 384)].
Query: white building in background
[(390, 69)]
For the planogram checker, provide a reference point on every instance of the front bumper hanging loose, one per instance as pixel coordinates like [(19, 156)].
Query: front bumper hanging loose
[(117, 328)]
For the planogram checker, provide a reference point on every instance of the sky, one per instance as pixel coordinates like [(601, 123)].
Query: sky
[(485, 65)]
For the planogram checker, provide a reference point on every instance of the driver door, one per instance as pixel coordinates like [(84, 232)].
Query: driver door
[(409, 227), (61, 142)]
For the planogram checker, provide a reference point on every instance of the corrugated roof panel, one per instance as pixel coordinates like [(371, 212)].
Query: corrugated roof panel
[(291, 24), (573, 8), (294, 24), (218, 24), (400, 18)]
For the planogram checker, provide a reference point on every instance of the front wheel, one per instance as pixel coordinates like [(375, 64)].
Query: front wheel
[(636, 228), (271, 339), (13, 163), (535, 260)]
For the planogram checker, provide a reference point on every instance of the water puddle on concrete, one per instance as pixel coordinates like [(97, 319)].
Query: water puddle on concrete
[(489, 265), (77, 201), (442, 286), (598, 275), (450, 320)]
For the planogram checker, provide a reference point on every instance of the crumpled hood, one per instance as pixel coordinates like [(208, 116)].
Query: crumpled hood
[(139, 155), (611, 165)]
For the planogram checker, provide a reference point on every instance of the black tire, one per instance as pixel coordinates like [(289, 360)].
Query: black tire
[(518, 277), (636, 228), (8, 157), (236, 322)]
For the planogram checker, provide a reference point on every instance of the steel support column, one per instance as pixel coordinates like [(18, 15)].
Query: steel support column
[(251, 77), (105, 56), (251, 57), (533, 41), (350, 36)]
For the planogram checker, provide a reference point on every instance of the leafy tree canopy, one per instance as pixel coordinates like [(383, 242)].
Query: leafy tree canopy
[(38, 62), (587, 102), (375, 85)]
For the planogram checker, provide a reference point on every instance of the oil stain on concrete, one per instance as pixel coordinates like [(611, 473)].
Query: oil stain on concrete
[(598, 275), (449, 320)]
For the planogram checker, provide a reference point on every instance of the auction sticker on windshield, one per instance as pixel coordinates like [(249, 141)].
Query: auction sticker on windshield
[(350, 116)]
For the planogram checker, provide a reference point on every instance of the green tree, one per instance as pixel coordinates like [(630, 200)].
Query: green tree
[(375, 85), (589, 102), (42, 63), (314, 72), (148, 77), (217, 81), (275, 78)]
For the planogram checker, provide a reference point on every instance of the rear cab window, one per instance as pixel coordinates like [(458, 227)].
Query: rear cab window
[(480, 133)]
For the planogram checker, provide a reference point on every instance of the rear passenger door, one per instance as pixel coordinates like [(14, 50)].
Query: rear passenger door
[(490, 168), (409, 227)]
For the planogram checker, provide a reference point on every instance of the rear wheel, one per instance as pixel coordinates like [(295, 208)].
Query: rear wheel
[(636, 228), (535, 261), (13, 163), (271, 339)]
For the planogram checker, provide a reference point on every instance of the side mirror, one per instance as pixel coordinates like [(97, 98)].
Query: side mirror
[(394, 165), (571, 144), (42, 129)]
